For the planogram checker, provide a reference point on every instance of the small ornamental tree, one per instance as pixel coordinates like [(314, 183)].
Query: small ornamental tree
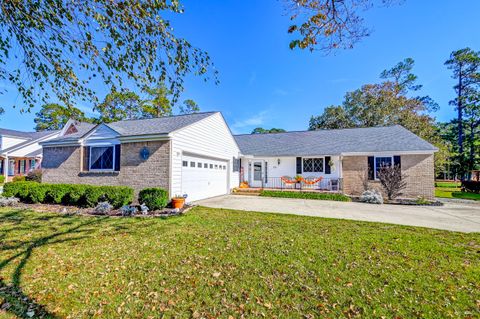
[(392, 180)]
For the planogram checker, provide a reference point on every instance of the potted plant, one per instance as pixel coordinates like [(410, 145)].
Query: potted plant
[(178, 201), (298, 179)]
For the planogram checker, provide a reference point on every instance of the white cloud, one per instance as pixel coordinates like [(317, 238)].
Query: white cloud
[(250, 122)]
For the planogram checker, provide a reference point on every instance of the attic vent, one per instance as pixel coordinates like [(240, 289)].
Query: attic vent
[(72, 129)]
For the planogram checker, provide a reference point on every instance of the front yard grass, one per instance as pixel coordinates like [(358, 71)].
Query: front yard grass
[(453, 190), (220, 263)]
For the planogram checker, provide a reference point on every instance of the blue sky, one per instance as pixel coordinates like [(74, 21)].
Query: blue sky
[(264, 83)]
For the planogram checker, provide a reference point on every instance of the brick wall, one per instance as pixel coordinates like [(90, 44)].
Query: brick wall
[(64, 165), (418, 168)]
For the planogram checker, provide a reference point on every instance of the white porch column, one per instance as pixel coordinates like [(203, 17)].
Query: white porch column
[(5, 167)]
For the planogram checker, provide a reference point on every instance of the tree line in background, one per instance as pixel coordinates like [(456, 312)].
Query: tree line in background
[(117, 106), (395, 100)]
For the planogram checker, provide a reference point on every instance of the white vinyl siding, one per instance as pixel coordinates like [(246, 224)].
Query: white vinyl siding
[(209, 138)]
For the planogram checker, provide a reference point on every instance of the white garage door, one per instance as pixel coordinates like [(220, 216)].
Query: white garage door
[(203, 178)]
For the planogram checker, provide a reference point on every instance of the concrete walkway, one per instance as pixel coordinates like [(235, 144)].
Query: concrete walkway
[(457, 216)]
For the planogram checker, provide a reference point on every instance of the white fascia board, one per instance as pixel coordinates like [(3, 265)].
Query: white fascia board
[(59, 143)]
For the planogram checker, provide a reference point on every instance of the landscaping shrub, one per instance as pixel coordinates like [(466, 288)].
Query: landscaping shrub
[(471, 186), (2, 179), (307, 195), (128, 210), (8, 201), (93, 195), (34, 176), (69, 194), (371, 197), (56, 193), (18, 178), (75, 195), (103, 208), (36, 194), (154, 198), (118, 196), (18, 189)]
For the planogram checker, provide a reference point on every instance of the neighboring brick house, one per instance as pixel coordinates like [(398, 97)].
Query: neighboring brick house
[(20, 151), (197, 155)]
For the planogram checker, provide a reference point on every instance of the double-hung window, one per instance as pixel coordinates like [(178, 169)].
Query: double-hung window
[(102, 158), (313, 165), (382, 161)]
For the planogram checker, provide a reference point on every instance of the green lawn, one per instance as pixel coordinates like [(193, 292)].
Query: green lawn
[(216, 263), (453, 190)]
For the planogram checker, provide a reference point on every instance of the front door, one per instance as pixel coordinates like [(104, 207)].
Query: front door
[(257, 173)]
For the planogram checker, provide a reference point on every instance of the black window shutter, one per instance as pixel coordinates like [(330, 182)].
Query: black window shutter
[(371, 168), (328, 169), (86, 158), (299, 165), (117, 157), (18, 166), (397, 161)]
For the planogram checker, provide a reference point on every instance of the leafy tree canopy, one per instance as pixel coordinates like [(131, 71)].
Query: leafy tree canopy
[(67, 48), (158, 102), (54, 116), (328, 25), (260, 130), (189, 106), (117, 106), (390, 102)]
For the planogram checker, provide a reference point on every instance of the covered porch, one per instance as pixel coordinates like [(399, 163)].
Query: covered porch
[(312, 173), (18, 166)]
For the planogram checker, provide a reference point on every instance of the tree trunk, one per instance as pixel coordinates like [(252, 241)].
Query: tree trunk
[(460, 123)]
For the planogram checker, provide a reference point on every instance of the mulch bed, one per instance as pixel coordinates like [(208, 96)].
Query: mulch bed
[(402, 201), (73, 210)]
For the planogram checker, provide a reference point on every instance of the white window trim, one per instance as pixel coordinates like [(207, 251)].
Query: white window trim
[(313, 157), (375, 164), (102, 169)]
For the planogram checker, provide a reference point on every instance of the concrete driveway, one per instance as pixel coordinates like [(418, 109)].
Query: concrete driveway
[(454, 215)]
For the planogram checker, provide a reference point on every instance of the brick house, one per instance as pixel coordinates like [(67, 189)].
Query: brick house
[(197, 155)]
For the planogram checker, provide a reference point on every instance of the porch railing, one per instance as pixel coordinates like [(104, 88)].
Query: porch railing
[(327, 184)]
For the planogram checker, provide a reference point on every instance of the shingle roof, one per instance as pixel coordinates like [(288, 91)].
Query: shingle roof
[(26, 135), (82, 129), (333, 142), (160, 125), (30, 137)]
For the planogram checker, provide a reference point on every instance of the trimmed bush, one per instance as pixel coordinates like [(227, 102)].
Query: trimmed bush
[(372, 197), (18, 178), (2, 179), (37, 193), (471, 186), (18, 189), (153, 198), (93, 196), (118, 196), (307, 195), (69, 194), (56, 193), (34, 176)]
